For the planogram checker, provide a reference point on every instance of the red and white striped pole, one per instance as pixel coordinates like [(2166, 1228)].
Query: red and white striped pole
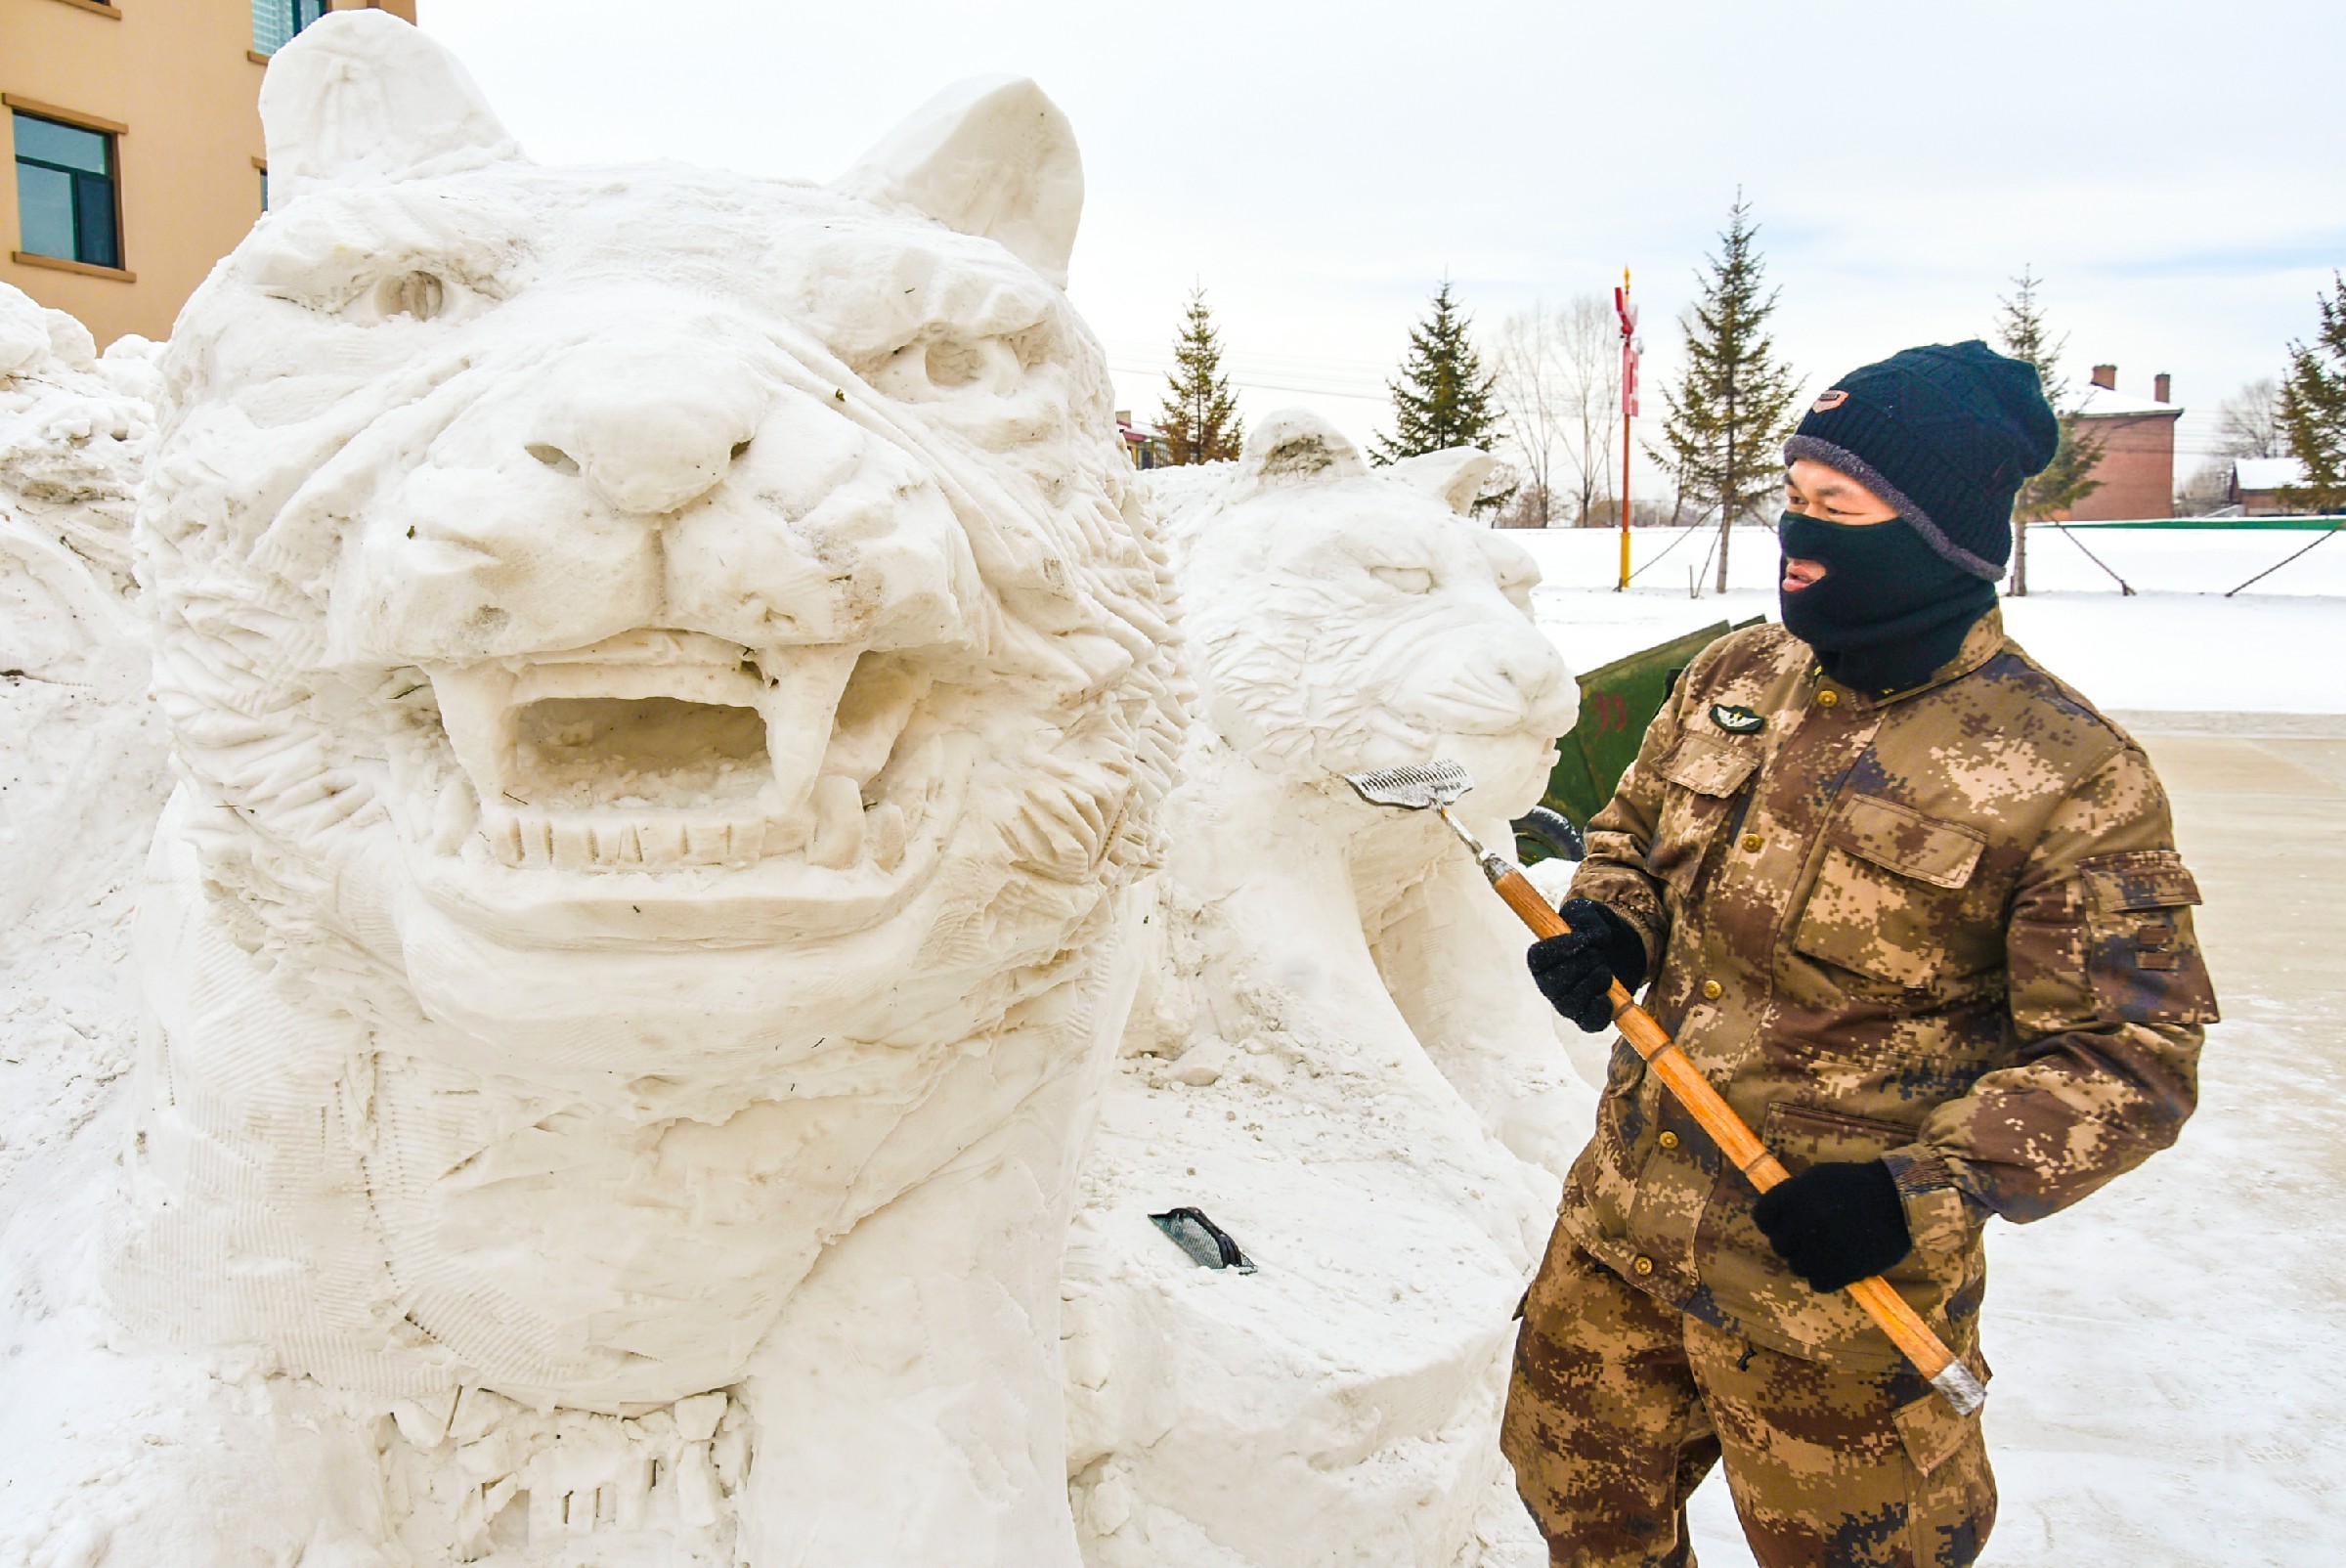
[(1623, 308)]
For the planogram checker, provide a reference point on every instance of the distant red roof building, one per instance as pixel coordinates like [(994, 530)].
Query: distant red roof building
[(2137, 436)]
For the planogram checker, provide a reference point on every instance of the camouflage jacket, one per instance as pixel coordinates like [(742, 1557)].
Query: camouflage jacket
[(1947, 929)]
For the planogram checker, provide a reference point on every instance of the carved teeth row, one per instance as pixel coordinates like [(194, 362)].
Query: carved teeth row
[(539, 840), (841, 833)]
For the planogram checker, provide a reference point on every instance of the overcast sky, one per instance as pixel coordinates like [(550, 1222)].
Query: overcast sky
[(2175, 172)]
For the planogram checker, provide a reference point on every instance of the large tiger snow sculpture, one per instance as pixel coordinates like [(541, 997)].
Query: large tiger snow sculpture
[(670, 682), (1336, 1055)]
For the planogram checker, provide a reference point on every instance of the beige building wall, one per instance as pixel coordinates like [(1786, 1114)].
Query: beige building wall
[(179, 83)]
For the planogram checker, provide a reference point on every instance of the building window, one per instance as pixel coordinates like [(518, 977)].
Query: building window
[(276, 22), (65, 193)]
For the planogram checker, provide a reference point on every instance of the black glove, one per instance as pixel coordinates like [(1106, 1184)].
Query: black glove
[(1575, 971), (1836, 1223)]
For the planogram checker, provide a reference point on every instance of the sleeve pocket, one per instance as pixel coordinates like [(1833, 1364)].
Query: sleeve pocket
[(2145, 964)]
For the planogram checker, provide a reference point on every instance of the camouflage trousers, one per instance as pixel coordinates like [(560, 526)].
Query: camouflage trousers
[(1619, 1406)]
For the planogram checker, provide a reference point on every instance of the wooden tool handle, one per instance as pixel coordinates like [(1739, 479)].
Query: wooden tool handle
[(1904, 1325), (1529, 906)]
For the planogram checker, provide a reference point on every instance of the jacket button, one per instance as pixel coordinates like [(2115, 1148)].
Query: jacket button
[(1828, 698), (1669, 1140), (1713, 990), (1753, 842), (1642, 1267)]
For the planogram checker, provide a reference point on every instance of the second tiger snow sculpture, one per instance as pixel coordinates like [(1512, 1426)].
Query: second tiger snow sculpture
[(670, 681), (1338, 1055)]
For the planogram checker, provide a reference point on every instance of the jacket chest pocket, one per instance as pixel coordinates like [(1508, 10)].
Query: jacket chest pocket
[(1890, 899), (1704, 776)]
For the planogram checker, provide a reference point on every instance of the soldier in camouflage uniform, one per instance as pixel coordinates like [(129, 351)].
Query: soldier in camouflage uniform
[(1915, 908)]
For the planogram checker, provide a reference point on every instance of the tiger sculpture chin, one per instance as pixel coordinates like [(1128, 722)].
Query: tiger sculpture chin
[(671, 684)]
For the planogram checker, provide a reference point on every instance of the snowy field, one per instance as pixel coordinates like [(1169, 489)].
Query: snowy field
[(2174, 645), (2168, 1385)]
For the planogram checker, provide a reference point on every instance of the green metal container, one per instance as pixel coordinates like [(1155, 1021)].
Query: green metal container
[(1618, 701)]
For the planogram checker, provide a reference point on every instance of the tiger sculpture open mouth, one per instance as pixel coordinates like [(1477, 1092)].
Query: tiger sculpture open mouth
[(797, 780), (656, 750)]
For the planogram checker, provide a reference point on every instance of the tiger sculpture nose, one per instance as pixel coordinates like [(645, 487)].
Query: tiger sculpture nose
[(651, 426)]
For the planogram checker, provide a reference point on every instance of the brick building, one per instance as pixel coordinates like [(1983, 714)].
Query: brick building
[(2137, 436)]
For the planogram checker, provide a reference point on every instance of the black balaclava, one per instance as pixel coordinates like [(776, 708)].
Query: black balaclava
[(1945, 434), (1888, 610)]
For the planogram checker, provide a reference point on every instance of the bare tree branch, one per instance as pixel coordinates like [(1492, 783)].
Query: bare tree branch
[(1559, 392)]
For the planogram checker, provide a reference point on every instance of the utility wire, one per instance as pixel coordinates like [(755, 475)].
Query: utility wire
[(1683, 536), (2125, 589), (1709, 554), (2319, 539)]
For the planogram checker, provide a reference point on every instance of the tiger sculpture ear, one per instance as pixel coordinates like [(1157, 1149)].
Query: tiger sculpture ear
[(362, 97), (1456, 474), (1296, 445), (991, 156)]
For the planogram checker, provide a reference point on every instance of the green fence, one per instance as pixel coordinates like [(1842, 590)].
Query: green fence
[(2284, 525)]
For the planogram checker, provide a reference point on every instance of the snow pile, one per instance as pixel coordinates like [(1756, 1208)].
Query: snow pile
[(80, 757), (1333, 1054), (81, 776), (73, 431)]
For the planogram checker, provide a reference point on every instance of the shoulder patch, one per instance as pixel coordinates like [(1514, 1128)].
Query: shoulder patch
[(1736, 719)]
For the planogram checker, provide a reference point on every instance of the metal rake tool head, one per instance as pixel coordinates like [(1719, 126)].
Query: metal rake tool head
[(1413, 789)]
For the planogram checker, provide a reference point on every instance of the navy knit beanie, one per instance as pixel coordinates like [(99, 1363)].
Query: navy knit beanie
[(1946, 433)]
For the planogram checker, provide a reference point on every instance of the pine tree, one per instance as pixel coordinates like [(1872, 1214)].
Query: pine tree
[(1728, 417), (2024, 333), (1198, 416), (2313, 403), (1443, 399)]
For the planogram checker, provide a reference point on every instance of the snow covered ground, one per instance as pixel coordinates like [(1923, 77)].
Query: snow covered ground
[(2168, 1385)]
